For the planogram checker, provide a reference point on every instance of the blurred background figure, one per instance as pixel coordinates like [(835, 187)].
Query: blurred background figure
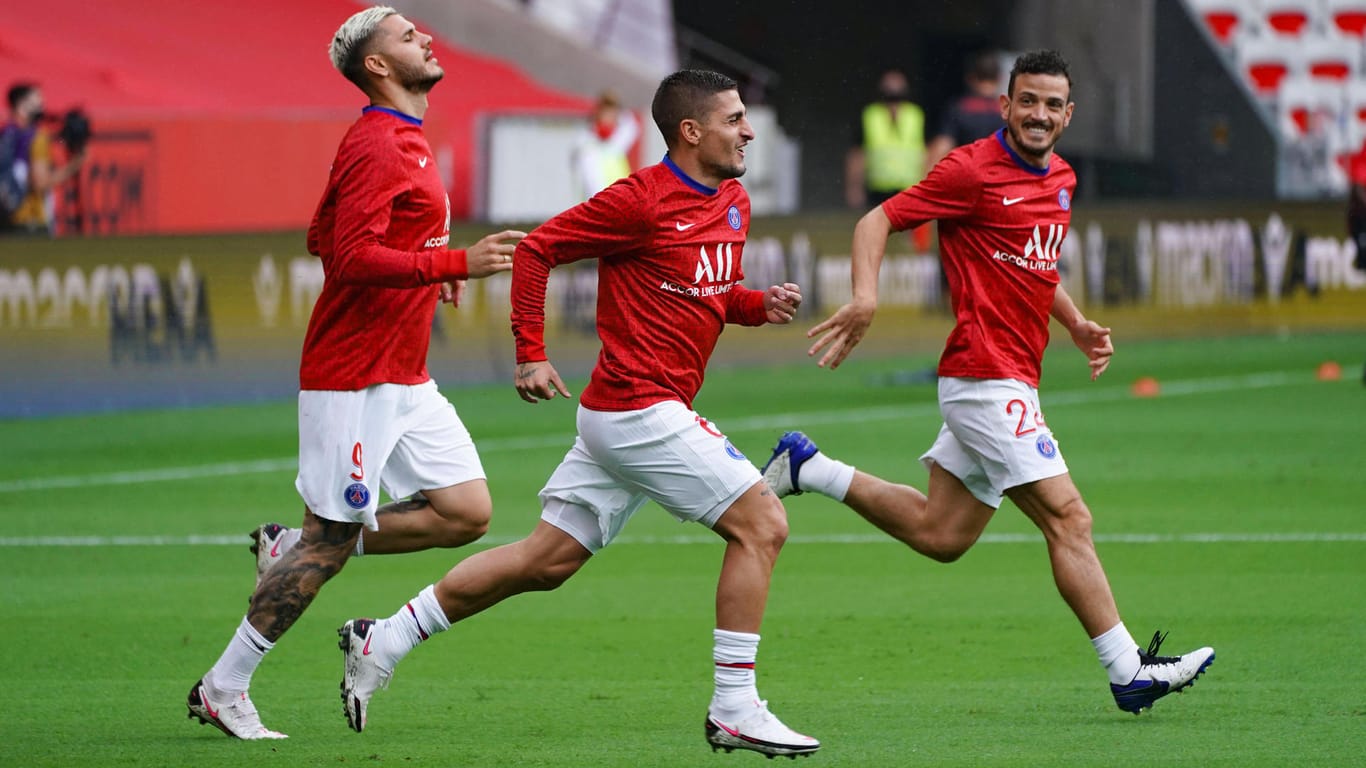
[(888, 154), (602, 153), (29, 168), (975, 114)]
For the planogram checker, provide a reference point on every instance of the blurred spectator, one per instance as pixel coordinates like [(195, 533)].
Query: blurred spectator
[(29, 173), (889, 152), (602, 150), (974, 115)]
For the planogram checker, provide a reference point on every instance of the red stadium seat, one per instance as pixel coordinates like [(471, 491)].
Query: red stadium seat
[(1331, 57), (1266, 61), (1348, 17), (1224, 19), (1289, 18)]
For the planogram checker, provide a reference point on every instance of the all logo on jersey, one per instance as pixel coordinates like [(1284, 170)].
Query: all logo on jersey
[(1041, 250), (1046, 250), (1046, 447), (733, 218), (714, 274), (1064, 200), (718, 269), (357, 496)]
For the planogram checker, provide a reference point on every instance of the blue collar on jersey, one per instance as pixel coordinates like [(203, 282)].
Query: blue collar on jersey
[(395, 113), (685, 178), (1020, 161)]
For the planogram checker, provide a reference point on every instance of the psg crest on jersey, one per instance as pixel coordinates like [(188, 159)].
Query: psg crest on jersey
[(1064, 200), (734, 452), (357, 496), (733, 218), (1047, 448)]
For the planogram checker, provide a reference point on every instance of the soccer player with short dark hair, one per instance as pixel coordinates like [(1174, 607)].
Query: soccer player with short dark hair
[(1003, 204), (669, 241)]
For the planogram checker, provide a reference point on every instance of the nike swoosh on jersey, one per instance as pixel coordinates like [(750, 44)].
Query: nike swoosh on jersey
[(681, 226), (1010, 200), (422, 163)]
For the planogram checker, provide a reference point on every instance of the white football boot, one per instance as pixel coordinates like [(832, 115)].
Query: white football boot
[(362, 675), (758, 730), (1160, 675), (268, 546), (235, 715)]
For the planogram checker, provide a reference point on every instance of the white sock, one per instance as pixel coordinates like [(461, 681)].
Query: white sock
[(733, 654), (416, 621), (822, 474), (233, 670), (1118, 654)]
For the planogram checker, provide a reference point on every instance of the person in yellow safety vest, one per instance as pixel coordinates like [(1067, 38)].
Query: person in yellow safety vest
[(889, 155), (602, 150)]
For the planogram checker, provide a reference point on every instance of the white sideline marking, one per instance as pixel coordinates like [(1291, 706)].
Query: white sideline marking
[(751, 424), (835, 538)]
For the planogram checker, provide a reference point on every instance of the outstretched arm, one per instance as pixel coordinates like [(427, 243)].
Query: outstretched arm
[(1091, 337), (845, 329)]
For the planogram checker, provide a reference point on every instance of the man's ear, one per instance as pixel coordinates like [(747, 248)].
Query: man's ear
[(376, 65), (690, 131)]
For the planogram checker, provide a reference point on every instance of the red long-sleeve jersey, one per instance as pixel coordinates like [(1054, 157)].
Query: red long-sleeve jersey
[(382, 230), (1001, 227), (669, 252)]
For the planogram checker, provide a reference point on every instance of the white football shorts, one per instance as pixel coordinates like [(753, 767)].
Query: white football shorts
[(994, 437), (401, 437), (621, 459)]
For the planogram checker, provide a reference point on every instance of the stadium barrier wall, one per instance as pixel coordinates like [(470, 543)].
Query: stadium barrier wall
[(132, 322)]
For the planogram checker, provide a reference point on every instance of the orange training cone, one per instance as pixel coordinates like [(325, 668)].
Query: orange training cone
[(1329, 370), (1145, 386)]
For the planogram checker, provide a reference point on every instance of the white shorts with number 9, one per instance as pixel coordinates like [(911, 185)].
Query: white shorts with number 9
[(621, 459), (994, 437), (403, 438)]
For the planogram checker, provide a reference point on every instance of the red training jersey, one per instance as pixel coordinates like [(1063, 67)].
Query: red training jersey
[(381, 230), (669, 277), (1001, 227)]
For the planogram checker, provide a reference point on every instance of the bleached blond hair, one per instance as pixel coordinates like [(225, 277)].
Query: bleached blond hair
[(347, 49)]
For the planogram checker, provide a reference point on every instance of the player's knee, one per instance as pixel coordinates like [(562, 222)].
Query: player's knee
[(768, 532), (467, 523), (943, 548)]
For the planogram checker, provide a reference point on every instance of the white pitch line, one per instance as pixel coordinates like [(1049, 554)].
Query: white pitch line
[(834, 538), (751, 424)]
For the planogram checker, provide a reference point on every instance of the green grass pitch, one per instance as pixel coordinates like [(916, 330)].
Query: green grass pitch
[(1229, 510)]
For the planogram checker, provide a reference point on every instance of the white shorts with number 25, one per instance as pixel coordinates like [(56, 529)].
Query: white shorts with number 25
[(994, 437)]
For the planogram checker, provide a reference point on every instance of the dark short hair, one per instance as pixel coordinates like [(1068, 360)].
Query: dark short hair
[(686, 95), (20, 91), (1042, 62)]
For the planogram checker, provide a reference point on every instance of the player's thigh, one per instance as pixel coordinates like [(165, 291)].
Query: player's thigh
[(954, 508), (673, 455)]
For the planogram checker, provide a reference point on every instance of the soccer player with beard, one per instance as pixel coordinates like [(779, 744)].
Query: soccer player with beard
[(1003, 205), (369, 413), (669, 240)]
